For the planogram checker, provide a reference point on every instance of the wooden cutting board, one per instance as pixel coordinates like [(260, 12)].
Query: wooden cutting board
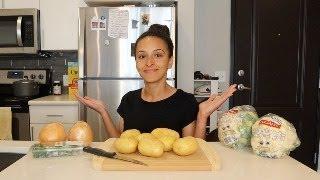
[(204, 159)]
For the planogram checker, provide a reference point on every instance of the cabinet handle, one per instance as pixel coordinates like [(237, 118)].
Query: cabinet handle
[(32, 133), (54, 115)]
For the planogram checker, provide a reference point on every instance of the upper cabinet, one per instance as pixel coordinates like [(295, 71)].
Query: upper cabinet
[(14, 4), (58, 21), (59, 24)]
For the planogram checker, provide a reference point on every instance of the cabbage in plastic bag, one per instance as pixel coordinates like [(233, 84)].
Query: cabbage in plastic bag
[(273, 137), (234, 126)]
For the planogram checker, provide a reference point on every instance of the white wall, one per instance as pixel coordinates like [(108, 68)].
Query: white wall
[(212, 40), (212, 36), (186, 44)]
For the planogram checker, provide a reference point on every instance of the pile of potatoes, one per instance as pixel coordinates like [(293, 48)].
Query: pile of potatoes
[(154, 144)]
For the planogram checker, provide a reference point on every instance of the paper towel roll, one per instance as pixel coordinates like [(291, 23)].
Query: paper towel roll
[(5, 123)]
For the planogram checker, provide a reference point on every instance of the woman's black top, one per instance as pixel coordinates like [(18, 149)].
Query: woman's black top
[(174, 112)]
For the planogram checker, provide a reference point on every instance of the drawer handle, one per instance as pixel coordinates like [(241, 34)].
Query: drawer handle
[(54, 115)]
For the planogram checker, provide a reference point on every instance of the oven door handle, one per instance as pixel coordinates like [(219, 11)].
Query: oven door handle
[(19, 36)]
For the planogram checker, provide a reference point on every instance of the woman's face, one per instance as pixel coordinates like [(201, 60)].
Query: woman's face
[(152, 59)]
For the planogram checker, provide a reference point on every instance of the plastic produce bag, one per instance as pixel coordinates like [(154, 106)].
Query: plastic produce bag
[(234, 126), (273, 137)]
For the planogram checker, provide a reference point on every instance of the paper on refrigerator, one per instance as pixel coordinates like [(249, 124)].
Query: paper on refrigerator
[(118, 23)]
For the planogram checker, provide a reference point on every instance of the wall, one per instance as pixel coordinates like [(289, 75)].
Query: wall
[(186, 44), (212, 36), (212, 40)]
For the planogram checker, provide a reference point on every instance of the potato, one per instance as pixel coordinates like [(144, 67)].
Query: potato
[(126, 145), (159, 132), (130, 133), (185, 146), (151, 147), (145, 135), (168, 142)]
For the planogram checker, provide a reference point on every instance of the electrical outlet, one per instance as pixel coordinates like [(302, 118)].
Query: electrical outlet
[(221, 75)]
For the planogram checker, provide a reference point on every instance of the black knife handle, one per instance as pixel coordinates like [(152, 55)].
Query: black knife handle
[(98, 152)]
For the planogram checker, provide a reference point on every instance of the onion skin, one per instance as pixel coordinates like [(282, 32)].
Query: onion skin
[(51, 134), (81, 132)]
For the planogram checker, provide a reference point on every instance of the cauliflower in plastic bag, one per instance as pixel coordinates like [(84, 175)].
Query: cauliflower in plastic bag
[(273, 137), (234, 126)]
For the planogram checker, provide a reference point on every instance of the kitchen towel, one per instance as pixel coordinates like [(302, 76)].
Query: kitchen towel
[(5, 123)]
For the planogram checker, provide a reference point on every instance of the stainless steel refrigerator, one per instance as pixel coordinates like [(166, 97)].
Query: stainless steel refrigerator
[(107, 67)]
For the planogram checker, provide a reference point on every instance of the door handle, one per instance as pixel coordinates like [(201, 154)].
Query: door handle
[(19, 36), (241, 87)]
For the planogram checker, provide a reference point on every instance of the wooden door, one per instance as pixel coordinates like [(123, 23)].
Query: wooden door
[(276, 44)]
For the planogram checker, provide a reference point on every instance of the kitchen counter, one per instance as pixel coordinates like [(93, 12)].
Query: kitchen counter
[(235, 165), (54, 100)]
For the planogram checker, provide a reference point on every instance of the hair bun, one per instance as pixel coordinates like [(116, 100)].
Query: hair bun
[(159, 29)]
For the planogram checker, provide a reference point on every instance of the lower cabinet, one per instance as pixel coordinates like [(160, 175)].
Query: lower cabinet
[(41, 115)]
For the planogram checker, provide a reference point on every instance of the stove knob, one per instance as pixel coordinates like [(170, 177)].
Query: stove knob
[(33, 76), (40, 76)]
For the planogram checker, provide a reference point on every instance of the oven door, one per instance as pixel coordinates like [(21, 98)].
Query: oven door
[(19, 31)]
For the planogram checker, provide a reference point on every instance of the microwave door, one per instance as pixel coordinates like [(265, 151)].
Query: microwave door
[(8, 31), (11, 31)]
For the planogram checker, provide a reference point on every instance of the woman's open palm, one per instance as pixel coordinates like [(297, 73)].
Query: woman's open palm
[(207, 107), (94, 104)]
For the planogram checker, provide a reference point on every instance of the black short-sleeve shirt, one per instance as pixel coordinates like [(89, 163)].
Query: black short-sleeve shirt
[(174, 112)]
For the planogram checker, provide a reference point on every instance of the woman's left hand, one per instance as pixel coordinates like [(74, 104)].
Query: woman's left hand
[(207, 107)]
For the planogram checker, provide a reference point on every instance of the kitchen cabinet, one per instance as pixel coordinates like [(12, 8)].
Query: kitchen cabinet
[(41, 115), (59, 24), (53, 108), (13, 4)]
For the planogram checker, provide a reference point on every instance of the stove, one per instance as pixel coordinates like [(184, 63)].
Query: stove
[(19, 105)]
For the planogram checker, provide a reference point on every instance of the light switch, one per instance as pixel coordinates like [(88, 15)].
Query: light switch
[(221, 75)]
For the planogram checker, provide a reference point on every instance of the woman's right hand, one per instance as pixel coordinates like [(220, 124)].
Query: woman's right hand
[(94, 104)]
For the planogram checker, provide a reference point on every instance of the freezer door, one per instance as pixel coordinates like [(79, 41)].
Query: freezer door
[(104, 54), (110, 92)]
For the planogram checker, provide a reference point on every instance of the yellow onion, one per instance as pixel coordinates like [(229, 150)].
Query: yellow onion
[(81, 132), (51, 134)]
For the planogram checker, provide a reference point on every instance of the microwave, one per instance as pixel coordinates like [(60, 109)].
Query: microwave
[(19, 31)]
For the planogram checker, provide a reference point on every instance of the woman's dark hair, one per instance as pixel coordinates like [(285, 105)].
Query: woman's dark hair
[(160, 31)]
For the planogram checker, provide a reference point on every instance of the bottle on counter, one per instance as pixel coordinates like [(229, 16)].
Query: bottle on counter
[(56, 88)]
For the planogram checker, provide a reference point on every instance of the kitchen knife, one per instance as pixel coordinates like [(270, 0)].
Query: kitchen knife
[(112, 155)]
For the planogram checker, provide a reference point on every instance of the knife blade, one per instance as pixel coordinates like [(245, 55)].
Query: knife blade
[(112, 155)]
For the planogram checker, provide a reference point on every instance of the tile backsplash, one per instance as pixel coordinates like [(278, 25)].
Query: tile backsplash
[(56, 61)]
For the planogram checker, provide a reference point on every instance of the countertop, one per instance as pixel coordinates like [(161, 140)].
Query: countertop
[(235, 165), (54, 100)]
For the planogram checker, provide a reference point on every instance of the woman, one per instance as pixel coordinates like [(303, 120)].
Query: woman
[(158, 104)]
